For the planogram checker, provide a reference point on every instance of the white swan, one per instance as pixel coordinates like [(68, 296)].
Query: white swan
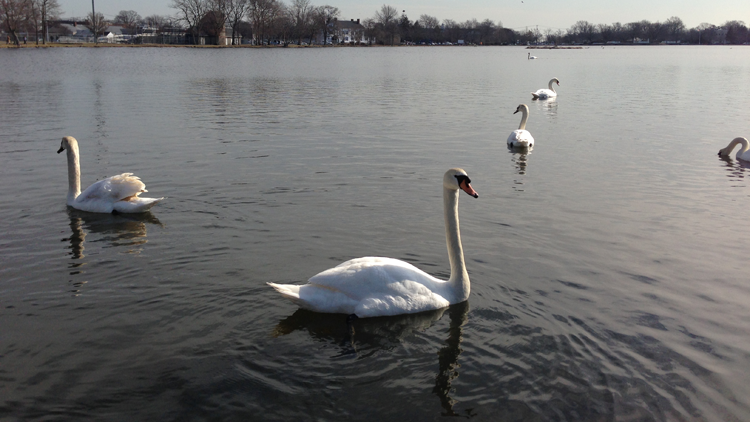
[(113, 194), (530, 57), (372, 286), (543, 94), (742, 154), (521, 138)]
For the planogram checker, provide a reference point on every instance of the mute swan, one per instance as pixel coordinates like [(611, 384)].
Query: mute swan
[(530, 57), (521, 137), (113, 194), (543, 94), (742, 154), (373, 286)]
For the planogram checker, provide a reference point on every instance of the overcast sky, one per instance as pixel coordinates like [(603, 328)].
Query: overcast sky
[(516, 14)]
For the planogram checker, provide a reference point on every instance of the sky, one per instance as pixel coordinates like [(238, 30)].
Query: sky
[(515, 14)]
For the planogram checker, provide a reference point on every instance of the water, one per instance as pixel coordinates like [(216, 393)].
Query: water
[(608, 265)]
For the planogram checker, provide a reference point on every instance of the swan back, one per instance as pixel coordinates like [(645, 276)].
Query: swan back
[(521, 137)]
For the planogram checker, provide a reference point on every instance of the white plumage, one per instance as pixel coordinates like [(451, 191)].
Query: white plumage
[(521, 138), (543, 94), (375, 286), (742, 154), (117, 193)]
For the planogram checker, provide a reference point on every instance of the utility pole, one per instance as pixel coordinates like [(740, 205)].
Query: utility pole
[(93, 21)]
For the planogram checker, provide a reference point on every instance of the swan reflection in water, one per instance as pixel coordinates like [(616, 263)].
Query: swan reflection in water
[(365, 336), (547, 106), (737, 168), (115, 230)]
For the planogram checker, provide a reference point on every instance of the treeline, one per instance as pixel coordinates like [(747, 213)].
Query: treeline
[(299, 21)]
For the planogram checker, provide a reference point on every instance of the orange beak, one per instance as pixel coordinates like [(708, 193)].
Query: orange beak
[(466, 187)]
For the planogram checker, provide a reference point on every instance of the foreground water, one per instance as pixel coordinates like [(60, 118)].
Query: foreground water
[(608, 265)]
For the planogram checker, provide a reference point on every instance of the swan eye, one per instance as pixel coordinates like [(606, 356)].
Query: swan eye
[(462, 178)]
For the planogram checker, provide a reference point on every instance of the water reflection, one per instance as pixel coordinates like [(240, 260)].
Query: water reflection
[(359, 337), (547, 106), (363, 337), (119, 230)]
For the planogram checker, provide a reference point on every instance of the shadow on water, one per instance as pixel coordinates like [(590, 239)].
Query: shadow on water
[(363, 337), (114, 230)]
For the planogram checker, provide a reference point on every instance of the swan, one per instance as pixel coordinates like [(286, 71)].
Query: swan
[(113, 194), (530, 57), (542, 94), (742, 154), (521, 137), (374, 286)]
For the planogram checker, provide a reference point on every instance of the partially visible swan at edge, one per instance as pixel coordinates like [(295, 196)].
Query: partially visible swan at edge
[(530, 57), (543, 94), (742, 154), (374, 286), (521, 137), (113, 194)]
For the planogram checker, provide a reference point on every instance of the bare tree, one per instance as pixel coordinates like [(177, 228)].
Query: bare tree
[(300, 16), (235, 12), (13, 14), (431, 26), (387, 16), (190, 12), (674, 28), (324, 18), (97, 24), (129, 19), (263, 15)]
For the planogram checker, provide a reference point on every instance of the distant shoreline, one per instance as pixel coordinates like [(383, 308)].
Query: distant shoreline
[(529, 47)]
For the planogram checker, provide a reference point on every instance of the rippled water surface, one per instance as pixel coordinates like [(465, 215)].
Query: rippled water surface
[(608, 265)]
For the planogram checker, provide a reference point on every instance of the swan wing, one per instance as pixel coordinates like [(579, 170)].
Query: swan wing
[(544, 93), (520, 138), (370, 286), (104, 194)]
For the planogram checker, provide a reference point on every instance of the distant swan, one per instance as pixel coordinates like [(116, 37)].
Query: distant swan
[(742, 154), (113, 194), (543, 94), (372, 286), (521, 137), (530, 57)]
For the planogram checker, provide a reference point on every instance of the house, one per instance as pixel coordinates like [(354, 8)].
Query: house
[(350, 32)]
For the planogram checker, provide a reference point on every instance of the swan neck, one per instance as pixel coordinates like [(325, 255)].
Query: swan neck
[(551, 86), (459, 280), (729, 148), (524, 118), (74, 173)]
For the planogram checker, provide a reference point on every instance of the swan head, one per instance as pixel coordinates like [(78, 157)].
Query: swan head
[(455, 179), (521, 108), (555, 80), (67, 142)]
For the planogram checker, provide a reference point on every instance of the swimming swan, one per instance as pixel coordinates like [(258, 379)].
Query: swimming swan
[(742, 154), (113, 194), (543, 94), (521, 138), (530, 57), (373, 286)]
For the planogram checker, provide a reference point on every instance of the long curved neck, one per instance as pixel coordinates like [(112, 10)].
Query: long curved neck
[(525, 117), (459, 281), (728, 150), (74, 173), (551, 86)]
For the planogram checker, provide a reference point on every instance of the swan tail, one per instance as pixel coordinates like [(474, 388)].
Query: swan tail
[(289, 291)]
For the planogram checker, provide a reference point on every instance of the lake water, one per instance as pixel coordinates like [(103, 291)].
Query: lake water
[(608, 265)]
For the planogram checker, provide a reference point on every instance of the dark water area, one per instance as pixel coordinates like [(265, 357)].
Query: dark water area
[(608, 264)]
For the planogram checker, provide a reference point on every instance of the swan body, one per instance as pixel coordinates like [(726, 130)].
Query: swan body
[(543, 94), (742, 154), (521, 138), (375, 286), (114, 194), (530, 57)]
